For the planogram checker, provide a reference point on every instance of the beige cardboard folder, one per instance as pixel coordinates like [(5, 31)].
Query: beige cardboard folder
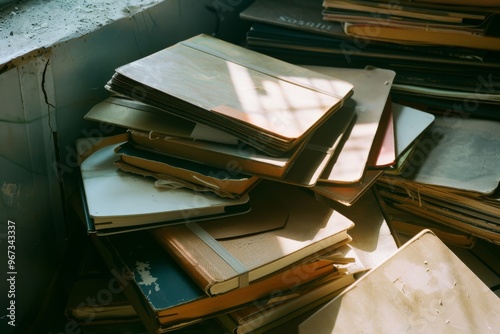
[(424, 287)]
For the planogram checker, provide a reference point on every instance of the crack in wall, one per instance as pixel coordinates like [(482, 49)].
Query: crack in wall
[(43, 85)]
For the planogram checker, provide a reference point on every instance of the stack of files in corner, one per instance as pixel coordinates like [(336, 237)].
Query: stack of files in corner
[(452, 178), (264, 102), (178, 277), (451, 297)]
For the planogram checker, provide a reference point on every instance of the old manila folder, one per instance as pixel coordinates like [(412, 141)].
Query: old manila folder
[(422, 288)]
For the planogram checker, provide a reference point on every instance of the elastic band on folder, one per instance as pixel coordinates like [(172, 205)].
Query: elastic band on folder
[(222, 252)]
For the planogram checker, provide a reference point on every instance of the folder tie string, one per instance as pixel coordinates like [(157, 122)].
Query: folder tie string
[(222, 252)]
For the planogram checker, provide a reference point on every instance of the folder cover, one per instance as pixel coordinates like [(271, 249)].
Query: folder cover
[(265, 102)]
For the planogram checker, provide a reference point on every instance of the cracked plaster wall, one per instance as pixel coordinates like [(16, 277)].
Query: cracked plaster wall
[(54, 63)]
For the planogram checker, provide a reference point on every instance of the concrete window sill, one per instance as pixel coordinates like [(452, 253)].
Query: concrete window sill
[(28, 27)]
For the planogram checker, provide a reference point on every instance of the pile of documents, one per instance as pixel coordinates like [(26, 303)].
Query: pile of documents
[(445, 58), (211, 201), (193, 153), (417, 22), (440, 50)]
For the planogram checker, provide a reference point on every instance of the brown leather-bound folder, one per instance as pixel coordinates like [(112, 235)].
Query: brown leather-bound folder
[(268, 103)]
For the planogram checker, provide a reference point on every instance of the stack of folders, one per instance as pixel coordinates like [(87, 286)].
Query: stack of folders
[(420, 22), (212, 201), (441, 50), (445, 56), (452, 181), (178, 276)]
